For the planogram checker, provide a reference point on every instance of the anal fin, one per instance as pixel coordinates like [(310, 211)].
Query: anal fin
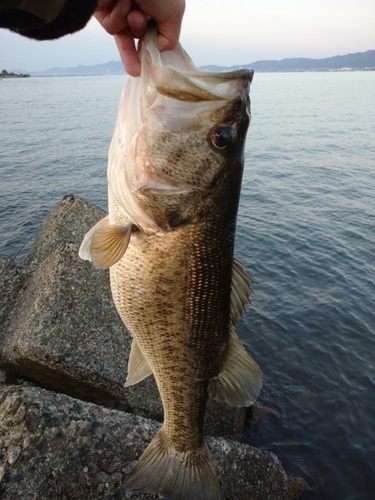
[(105, 243), (138, 367), (240, 380)]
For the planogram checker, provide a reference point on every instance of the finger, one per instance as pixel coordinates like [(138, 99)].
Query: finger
[(128, 53), (137, 23), (101, 15), (169, 30), (113, 17)]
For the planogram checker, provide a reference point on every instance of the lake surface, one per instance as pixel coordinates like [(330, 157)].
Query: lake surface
[(306, 233)]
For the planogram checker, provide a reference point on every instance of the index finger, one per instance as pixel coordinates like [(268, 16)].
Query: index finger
[(128, 53)]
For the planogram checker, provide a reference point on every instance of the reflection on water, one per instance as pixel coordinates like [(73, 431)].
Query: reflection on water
[(305, 233)]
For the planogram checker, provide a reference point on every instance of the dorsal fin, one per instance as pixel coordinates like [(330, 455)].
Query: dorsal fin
[(138, 367), (240, 292), (105, 243)]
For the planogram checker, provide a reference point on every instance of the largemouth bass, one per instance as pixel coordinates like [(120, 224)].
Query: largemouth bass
[(174, 178)]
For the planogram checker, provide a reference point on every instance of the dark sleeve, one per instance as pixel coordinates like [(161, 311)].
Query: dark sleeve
[(46, 19)]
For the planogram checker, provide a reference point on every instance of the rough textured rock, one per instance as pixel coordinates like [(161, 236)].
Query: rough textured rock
[(59, 329), (259, 411), (296, 487), (59, 326), (64, 331), (54, 446), (224, 420), (68, 222), (13, 279)]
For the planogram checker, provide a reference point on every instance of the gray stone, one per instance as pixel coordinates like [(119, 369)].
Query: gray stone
[(13, 278), (2, 377), (296, 487), (68, 222), (224, 420), (259, 411), (13, 453), (89, 451), (59, 326), (55, 338)]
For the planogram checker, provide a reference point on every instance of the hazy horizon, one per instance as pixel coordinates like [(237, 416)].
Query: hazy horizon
[(243, 33), (203, 65)]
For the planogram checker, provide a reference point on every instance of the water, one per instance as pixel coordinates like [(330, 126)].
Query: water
[(306, 233)]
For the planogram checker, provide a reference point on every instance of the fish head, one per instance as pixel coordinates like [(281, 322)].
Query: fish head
[(178, 148)]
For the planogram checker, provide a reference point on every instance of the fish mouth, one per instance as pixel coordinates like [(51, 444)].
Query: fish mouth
[(198, 87), (173, 98), (173, 74)]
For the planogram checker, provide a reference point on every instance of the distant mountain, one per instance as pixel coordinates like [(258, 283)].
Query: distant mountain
[(110, 68), (358, 61)]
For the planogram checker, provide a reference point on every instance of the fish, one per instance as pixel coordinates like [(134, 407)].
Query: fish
[(175, 168)]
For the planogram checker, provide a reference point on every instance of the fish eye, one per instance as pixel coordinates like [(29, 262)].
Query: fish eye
[(223, 137)]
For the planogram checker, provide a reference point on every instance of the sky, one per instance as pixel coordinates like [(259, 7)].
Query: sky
[(221, 32)]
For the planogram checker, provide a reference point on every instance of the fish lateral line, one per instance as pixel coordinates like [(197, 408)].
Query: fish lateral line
[(179, 293)]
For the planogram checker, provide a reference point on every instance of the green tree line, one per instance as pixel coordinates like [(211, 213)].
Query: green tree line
[(5, 74)]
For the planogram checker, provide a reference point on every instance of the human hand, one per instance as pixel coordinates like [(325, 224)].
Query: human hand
[(127, 20)]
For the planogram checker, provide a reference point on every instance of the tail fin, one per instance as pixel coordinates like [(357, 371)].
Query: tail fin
[(177, 476)]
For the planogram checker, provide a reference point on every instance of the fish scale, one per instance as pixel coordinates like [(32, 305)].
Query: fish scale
[(174, 180), (175, 336)]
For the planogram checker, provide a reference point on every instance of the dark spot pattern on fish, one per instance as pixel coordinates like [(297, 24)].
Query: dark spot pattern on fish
[(177, 178)]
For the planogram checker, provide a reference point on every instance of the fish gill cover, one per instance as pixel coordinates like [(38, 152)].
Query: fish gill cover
[(174, 179)]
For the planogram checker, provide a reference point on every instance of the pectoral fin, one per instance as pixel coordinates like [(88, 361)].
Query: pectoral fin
[(138, 367), (105, 243), (240, 292), (240, 380)]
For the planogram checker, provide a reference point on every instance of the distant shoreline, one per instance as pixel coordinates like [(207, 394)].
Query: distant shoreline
[(256, 71), (360, 61), (13, 75)]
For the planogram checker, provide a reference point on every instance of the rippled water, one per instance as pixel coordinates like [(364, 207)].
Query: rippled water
[(306, 232)]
